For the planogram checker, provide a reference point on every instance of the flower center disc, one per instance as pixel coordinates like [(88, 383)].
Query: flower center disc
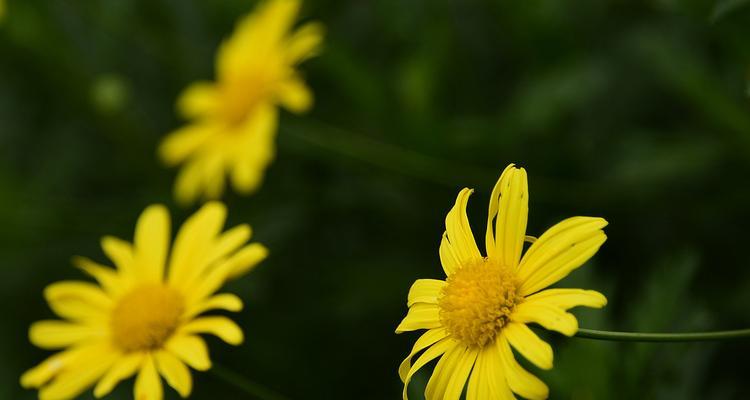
[(478, 301), (146, 317)]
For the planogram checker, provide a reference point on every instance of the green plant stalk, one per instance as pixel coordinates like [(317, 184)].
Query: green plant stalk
[(254, 389), (662, 337)]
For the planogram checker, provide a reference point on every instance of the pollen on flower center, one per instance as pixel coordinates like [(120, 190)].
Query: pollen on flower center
[(477, 302), (146, 317)]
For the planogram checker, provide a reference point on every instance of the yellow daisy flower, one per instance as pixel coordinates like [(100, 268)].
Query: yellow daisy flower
[(144, 316), (233, 121), (483, 307)]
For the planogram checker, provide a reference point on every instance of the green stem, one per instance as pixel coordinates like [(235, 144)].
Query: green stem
[(254, 389), (312, 134), (662, 337)]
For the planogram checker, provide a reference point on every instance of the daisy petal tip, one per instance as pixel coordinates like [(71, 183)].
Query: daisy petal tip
[(401, 328), (600, 300), (78, 261), (27, 381), (99, 392), (570, 332), (237, 340)]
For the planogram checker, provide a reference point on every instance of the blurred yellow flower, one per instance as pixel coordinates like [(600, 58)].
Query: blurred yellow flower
[(144, 316), (483, 307), (233, 121)]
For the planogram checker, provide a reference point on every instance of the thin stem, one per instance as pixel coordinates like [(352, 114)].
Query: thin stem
[(662, 337), (391, 157), (254, 389)]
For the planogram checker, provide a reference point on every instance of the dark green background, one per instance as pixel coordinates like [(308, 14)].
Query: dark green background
[(636, 111)]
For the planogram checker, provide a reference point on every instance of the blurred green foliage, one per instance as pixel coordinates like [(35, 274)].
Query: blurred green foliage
[(636, 111)]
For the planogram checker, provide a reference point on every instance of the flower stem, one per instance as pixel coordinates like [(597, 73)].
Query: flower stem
[(662, 337), (254, 389)]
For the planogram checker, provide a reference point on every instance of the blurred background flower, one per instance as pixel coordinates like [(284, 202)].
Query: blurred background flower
[(234, 121), (634, 111)]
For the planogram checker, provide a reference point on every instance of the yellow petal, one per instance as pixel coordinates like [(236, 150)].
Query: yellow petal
[(262, 31), (83, 371), (461, 374), (426, 340), (425, 291), (59, 334), (529, 344), (125, 367), (228, 242), (444, 371), (175, 372), (477, 388), (41, 374), (193, 243), (76, 300), (489, 238), (247, 176), (152, 233), (294, 95), (224, 301), (258, 150), (246, 259), (420, 316), (222, 327), (147, 384), (184, 142), (107, 277), (189, 183), (200, 99), (305, 42), (548, 316), (430, 354), (460, 237), (120, 252), (560, 250), (520, 380), (569, 298), (509, 208), (238, 264), (487, 379), (190, 349), (213, 174), (448, 257), (493, 372)]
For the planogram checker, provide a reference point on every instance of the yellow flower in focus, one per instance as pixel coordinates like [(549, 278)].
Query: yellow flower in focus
[(144, 317), (233, 121), (483, 307)]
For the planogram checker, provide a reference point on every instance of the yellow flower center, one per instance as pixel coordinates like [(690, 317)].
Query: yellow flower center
[(477, 302), (242, 96), (146, 317)]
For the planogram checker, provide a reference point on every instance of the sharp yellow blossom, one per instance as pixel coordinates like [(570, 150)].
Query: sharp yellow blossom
[(482, 309), (233, 121), (143, 317)]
